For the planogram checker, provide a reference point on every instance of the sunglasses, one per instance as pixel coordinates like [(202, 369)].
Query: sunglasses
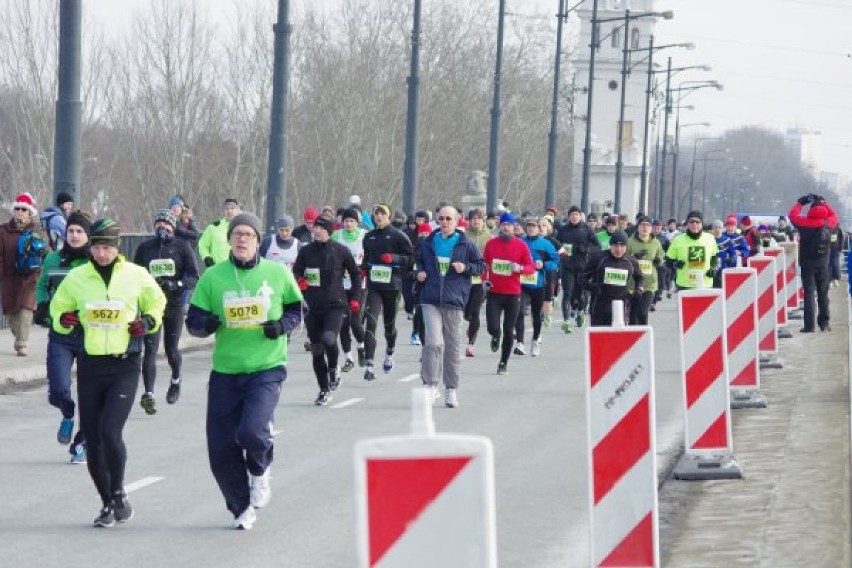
[(20, 209), (445, 218)]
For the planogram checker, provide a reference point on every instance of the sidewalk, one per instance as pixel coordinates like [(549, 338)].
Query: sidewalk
[(17, 373), (792, 508)]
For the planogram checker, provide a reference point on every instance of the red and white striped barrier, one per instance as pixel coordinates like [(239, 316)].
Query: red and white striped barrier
[(780, 290), (740, 288), (622, 457), (766, 310), (792, 280), (709, 442), (425, 499)]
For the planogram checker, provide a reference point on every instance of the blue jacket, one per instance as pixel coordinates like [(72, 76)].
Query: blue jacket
[(729, 245), (543, 250), (453, 288)]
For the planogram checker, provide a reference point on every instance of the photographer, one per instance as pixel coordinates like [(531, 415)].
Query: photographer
[(814, 244)]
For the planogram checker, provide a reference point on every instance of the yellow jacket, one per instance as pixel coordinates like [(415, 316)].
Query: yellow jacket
[(214, 241), (106, 312)]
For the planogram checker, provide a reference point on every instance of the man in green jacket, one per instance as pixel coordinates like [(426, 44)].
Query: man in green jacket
[(693, 254), (213, 245), (648, 252)]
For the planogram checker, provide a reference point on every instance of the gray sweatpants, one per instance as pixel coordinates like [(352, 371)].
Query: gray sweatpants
[(441, 346)]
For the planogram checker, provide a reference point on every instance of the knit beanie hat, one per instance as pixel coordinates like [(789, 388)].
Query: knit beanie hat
[(247, 219), (695, 214), (105, 232), (81, 220), (310, 215), (63, 197), (177, 201), (325, 223), (618, 238), (166, 216), (508, 218), (286, 222), (384, 207)]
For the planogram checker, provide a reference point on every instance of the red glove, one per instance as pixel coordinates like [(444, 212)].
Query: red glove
[(387, 258), (362, 273), (69, 319), (303, 284), (137, 328), (354, 306)]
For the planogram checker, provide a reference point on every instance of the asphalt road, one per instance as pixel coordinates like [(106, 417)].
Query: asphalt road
[(534, 417)]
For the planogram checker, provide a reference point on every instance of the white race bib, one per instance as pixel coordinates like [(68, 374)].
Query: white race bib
[(615, 276), (161, 267), (105, 314), (694, 277), (568, 248), (381, 274)]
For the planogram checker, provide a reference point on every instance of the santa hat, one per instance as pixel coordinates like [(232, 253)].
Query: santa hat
[(26, 200)]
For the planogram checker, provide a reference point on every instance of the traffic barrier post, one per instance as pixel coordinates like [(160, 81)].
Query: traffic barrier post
[(740, 289), (766, 311), (780, 289), (792, 280)]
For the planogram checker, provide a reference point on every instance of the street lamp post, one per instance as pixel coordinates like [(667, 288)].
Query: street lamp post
[(661, 186), (625, 71), (704, 177), (409, 189), (676, 154), (695, 144), (494, 147), (725, 186)]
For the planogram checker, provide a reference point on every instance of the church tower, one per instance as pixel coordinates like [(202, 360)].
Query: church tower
[(606, 103)]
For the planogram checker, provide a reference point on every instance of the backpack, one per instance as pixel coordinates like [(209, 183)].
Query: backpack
[(46, 218), (29, 252)]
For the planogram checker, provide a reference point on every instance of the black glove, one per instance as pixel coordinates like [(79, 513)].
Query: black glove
[(679, 264), (208, 261), (212, 323), (171, 285), (42, 314), (273, 329), (805, 199), (711, 273), (640, 254)]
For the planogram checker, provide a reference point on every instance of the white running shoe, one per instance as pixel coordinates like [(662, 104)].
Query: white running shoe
[(261, 489), (451, 400), (246, 520), (535, 348)]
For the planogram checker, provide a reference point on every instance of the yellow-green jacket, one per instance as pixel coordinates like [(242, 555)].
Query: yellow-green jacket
[(697, 255), (106, 312), (214, 241)]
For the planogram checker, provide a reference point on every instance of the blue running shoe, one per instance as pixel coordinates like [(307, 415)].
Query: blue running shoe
[(66, 429), (78, 454)]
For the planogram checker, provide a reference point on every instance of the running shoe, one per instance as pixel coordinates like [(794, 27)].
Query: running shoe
[(121, 509), (535, 348), (148, 403), (495, 343), (580, 319), (307, 346), (409, 316), (322, 398), (106, 518), (78, 454), (66, 429), (387, 366), (260, 487), (546, 320), (501, 368), (369, 374), (519, 349), (566, 327), (362, 357), (246, 520), (451, 400), (414, 339), (468, 352), (173, 393), (348, 365), (333, 379)]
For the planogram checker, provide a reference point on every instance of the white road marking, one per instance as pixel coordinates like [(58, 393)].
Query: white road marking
[(409, 378), (346, 403), (144, 482)]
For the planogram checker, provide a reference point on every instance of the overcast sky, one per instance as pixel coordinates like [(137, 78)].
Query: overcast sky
[(783, 63)]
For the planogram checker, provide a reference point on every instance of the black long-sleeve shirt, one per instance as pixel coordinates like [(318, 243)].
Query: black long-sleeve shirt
[(323, 265)]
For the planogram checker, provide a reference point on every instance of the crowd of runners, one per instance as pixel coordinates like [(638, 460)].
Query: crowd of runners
[(341, 274)]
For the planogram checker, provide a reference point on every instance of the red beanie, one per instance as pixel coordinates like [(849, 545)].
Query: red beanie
[(424, 229), (311, 214)]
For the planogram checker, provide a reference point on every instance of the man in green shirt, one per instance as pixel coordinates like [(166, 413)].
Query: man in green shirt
[(250, 304)]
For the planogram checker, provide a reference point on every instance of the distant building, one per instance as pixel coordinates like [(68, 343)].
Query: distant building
[(807, 145)]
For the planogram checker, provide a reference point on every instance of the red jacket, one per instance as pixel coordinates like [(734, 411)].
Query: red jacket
[(497, 253), (815, 218)]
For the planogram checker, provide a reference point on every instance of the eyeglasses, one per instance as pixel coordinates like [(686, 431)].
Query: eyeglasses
[(248, 235), (445, 218), (694, 221), (20, 209)]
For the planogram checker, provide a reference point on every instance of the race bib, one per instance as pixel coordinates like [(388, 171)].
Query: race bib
[(476, 279), (312, 275), (443, 265), (529, 279), (615, 276), (501, 267), (245, 313), (647, 267), (161, 267), (834, 238), (695, 278), (568, 248), (107, 314), (695, 256), (381, 274)]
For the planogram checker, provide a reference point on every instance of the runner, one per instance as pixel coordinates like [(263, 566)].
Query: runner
[(387, 255), (319, 271), (281, 247), (213, 245), (446, 261), (506, 258), (63, 350), (116, 303), (551, 284), (250, 304), (479, 235), (693, 254), (171, 262), (610, 275), (532, 286), (352, 236), (579, 242), (648, 252)]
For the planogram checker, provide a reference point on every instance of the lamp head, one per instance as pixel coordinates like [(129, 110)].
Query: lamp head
[(667, 15)]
